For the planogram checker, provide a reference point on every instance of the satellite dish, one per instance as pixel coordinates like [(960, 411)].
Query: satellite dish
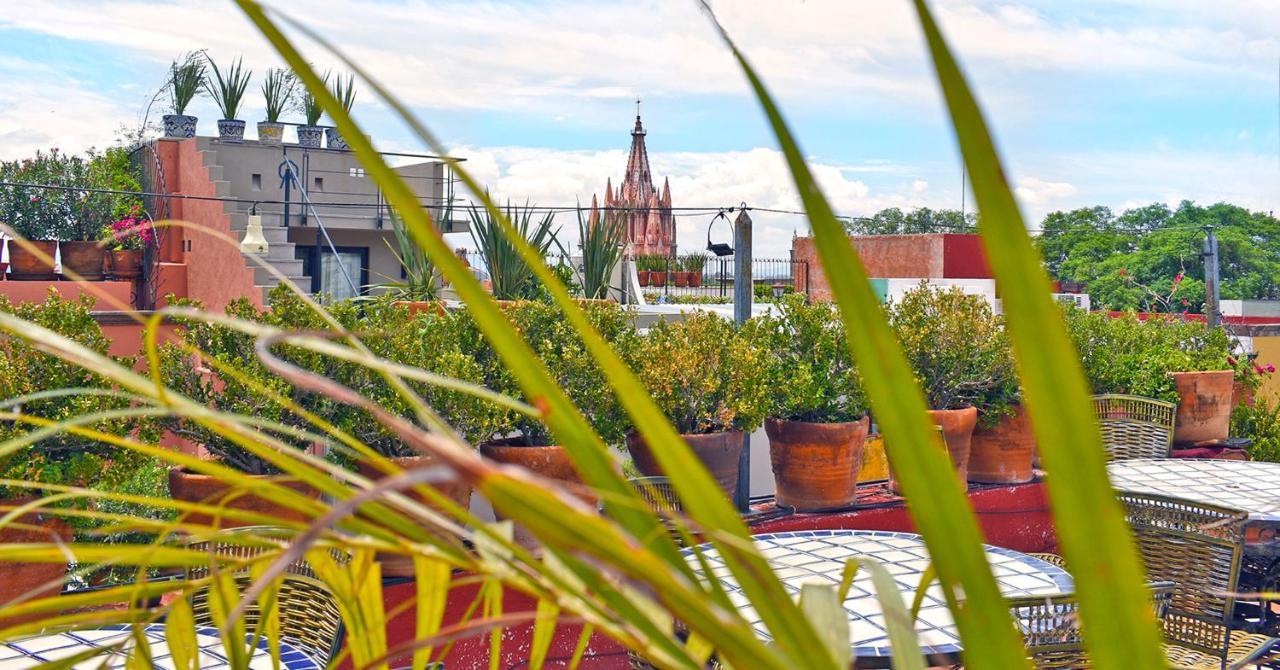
[(719, 249)]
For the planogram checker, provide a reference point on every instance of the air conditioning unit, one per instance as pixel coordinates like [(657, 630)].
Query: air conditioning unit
[(1080, 300)]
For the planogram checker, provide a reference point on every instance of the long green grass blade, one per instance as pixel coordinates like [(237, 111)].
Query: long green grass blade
[(937, 498), (1119, 629)]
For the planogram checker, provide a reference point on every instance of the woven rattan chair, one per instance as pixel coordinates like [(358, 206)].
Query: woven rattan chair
[(1134, 427), (1197, 547), (1050, 626), (1052, 559), (309, 616), (660, 496)]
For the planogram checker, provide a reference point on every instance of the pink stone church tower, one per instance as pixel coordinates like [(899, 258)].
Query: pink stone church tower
[(650, 225)]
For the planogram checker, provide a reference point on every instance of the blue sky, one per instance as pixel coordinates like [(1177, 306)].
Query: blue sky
[(1117, 103)]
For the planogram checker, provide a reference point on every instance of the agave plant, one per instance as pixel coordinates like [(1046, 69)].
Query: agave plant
[(227, 90), (510, 271), (277, 92), (619, 573), (421, 280), (344, 91), (311, 109), (186, 76), (601, 244)]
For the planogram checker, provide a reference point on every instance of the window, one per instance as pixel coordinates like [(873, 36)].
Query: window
[(255, 181), (326, 269), (319, 184)]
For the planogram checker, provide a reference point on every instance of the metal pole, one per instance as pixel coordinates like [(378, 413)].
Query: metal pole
[(742, 293), (1211, 310)]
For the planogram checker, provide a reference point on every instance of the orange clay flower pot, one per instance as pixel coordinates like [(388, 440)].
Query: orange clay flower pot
[(1002, 454), (957, 431), (1204, 406), (815, 465), (197, 488), (718, 451)]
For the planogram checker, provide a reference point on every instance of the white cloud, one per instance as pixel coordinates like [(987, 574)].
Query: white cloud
[(1035, 191)]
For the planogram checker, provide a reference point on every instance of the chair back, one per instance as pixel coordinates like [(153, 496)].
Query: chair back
[(308, 613), (1050, 626), (1198, 547), (660, 496), (1134, 427)]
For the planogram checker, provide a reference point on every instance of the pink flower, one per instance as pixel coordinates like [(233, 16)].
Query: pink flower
[(1271, 368), (1231, 361), (1186, 302), (1124, 272), (1258, 368), (35, 198)]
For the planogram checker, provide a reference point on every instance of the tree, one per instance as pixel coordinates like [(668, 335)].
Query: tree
[(1148, 258), (893, 221)]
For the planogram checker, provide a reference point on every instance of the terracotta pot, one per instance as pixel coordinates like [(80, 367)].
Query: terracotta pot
[(643, 276), (126, 263), (816, 465), (25, 265), (192, 487), (31, 580), (83, 258), (1204, 406), (420, 306), (680, 278), (1002, 454), (657, 278), (395, 565), (957, 431), (695, 278), (552, 462), (718, 451)]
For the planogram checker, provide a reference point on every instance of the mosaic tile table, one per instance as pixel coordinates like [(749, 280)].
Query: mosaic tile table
[(1249, 486), (819, 557), (31, 652)]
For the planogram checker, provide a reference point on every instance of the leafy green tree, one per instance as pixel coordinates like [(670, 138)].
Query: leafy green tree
[(893, 221)]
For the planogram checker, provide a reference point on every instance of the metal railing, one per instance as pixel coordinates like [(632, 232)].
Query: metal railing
[(291, 176), (677, 280)]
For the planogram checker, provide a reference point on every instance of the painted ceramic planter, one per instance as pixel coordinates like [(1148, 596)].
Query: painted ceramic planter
[(271, 132), (815, 465), (333, 139), (719, 452), (1002, 454), (310, 137), (231, 130), (179, 125), (1204, 406)]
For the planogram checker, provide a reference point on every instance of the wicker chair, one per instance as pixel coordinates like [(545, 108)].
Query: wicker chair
[(309, 616), (1050, 626), (1052, 559), (1134, 427), (1197, 547), (660, 496)]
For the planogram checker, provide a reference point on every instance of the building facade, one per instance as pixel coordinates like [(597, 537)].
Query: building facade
[(650, 224)]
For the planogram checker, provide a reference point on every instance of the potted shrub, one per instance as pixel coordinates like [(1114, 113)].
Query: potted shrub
[(956, 347), (657, 270), (310, 134), (186, 76), (345, 92), (694, 263), (228, 92), (642, 269), (420, 281), (277, 92), (35, 215), (82, 249), (711, 380), (1003, 446), (62, 458), (126, 240), (1166, 358), (817, 421), (679, 274)]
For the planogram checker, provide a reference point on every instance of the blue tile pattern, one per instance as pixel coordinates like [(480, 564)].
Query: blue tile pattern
[(819, 557), (32, 651), (1249, 486)]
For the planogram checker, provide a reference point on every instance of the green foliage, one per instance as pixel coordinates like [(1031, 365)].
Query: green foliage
[(1127, 355), (893, 221), (186, 76), (956, 346), (601, 251), (705, 374), (63, 458), (67, 213), (763, 293), (1261, 424), (511, 276), (227, 91), (811, 375), (693, 262), (344, 90), (559, 347), (278, 88), (421, 281), (655, 263), (1130, 261), (311, 108)]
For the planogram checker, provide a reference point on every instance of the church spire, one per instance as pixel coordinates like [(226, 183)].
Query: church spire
[(637, 182)]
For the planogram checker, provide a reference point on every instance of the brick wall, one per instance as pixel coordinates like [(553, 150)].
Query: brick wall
[(934, 256)]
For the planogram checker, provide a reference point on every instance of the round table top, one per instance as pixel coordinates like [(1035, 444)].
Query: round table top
[(32, 651), (819, 556), (1248, 486)]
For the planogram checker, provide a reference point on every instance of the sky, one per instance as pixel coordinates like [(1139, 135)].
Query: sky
[(1093, 102)]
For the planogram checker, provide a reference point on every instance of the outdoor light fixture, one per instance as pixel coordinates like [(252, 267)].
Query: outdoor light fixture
[(778, 290), (254, 241), (720, 249)]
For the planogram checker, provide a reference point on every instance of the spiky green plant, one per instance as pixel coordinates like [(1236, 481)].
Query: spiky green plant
[(344, 91), (311, 109), (620, 573), (227, 90), (278, 88), (601, 244), (186, 77), (512, 276)]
